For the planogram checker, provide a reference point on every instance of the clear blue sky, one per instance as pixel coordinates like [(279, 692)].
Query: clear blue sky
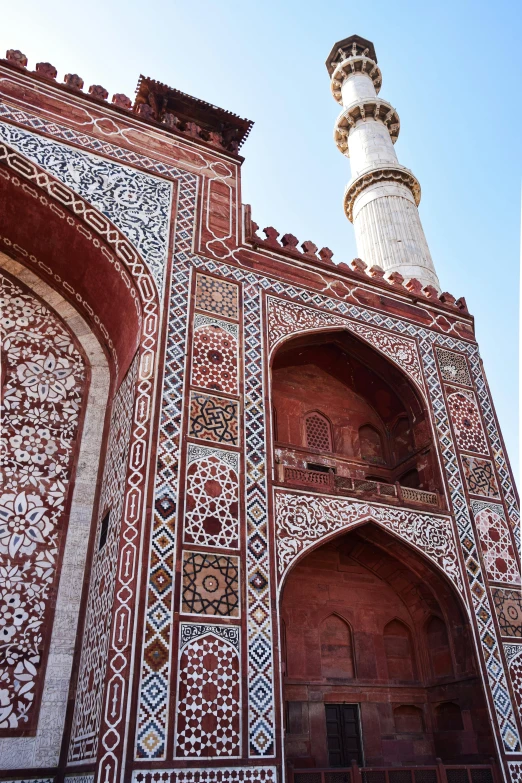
[(451, 68)]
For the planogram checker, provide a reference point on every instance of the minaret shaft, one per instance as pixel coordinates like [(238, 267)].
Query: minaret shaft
[(382, 197)]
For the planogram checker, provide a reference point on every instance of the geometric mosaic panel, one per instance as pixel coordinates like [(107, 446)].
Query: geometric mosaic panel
[(514, 658), (453, 366), (214, 355), (466, 420), (209, 705), (250, 774), (214, 418), (210, 584), (495, 540), (480, 477), (508, 606), (211, 498), (217, 296), (515, 771)]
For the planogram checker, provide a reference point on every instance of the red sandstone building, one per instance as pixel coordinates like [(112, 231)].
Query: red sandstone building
[(257, 521)]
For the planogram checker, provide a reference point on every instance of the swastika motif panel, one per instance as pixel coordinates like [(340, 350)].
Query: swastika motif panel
[(250, 774), (217, 296), (214, 418), (93, 661), (137, 203), (210, 584), (465, 417), (215, 355), (43, 393), (304, 519), (209, 697), (211, 498), (453, 367), (508, 606), (498, 551), (480, 478)]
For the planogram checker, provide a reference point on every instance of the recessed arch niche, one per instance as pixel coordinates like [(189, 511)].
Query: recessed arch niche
[(393, 601), (378, 419), (88, 271)]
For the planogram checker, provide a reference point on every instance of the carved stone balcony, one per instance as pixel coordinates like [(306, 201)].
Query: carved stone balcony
[(329, 479)]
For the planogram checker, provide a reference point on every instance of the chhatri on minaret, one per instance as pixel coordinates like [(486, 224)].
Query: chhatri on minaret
[(382, 196)]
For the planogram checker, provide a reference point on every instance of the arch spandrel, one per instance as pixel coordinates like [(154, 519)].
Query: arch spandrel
[(106, 277), (304, 521), (288, 319)]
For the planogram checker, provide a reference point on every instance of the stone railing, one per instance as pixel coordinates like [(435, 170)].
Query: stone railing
[(341, 485), (436, 773)]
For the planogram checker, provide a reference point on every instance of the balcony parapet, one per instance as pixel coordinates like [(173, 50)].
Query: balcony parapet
[(346, 486)]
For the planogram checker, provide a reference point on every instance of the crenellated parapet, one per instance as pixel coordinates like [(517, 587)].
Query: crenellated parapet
[(158, 104)]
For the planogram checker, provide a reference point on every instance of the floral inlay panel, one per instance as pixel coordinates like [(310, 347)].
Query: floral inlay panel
[(44, 387), (304, 519), (137, 203)]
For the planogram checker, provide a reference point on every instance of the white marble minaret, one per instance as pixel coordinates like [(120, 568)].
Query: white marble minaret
[(382, 197)]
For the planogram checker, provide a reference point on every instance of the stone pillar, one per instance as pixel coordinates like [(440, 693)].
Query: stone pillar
[(382, 197)]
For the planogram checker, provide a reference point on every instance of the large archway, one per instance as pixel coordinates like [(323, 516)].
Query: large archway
[(342, 408), (71, 256), (378, 660)]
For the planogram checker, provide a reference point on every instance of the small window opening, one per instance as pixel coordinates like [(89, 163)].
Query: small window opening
[(104, 529), (319, 468), (318, 434)]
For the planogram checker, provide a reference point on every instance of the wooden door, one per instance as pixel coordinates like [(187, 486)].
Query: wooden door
[(343, 735)]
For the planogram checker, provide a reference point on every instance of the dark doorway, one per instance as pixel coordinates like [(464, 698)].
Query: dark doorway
[(343, 734)]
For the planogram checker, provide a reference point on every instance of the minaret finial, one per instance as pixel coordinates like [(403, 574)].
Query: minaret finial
[(382, 197)]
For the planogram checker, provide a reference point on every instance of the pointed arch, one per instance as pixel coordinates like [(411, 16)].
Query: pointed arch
[(72, 415), (109, 280), (371, 444), (318, 431), (75, 249), (398, 648), (439, 650), (448, 717), (337, 651), (408, 719)]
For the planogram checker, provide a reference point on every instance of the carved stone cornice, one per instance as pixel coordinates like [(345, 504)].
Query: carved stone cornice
[(351, 65), (368, 108), (385, 174)]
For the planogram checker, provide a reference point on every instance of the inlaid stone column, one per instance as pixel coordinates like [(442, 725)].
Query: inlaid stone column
[(382, 197)]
